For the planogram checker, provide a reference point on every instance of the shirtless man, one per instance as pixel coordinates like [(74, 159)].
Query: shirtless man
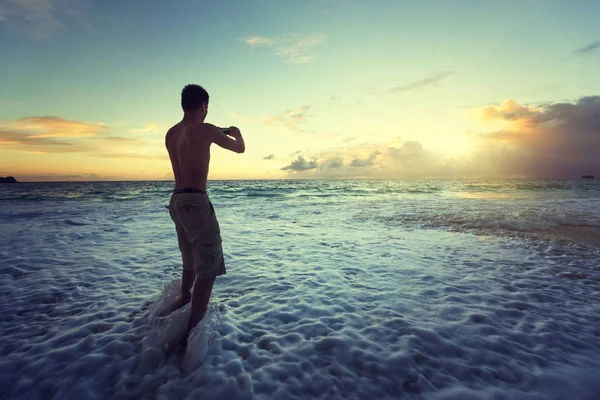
[(198, 233)]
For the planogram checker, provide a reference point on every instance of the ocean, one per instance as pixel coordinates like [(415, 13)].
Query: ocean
[(343, 289)]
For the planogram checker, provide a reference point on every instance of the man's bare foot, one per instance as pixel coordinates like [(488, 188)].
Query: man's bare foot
[(182, 347)]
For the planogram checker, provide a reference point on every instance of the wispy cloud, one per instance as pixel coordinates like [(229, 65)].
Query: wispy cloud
[(147, 130), (38, 144), (258, 41), (431, 80), (134, 156), (52, 134), (41, 17), (50, 126), (64, 177), (269, 157), (242, 118), (120, 139), (588, 49), (294, 49), (291, 119)]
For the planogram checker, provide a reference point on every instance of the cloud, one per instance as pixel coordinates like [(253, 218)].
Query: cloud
[(510, 111), (556, 140), (258, 41), (498, 135), (269, 157), (367, 161), (39, 144), (405, 160), (23, 135), (290, 119), (52, 134), (133, 156), (431, 80), (364, 162), (588, 49), (148, 129), (50, 126), (62, 177), (120, 139), (333, 163), (41, 18), (39, 14), (585, 111), (293, 49), (300, 164), (242, 118)]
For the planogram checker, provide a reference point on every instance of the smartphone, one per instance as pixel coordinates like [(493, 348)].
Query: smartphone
[(226, 131)]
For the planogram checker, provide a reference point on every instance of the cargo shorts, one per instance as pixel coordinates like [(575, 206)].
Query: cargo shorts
[(198, 233)]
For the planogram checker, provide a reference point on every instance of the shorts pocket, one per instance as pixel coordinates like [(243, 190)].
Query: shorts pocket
[(188, 207), (209, 260)]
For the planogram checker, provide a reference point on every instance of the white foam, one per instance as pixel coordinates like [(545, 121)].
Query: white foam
[(199, 341)]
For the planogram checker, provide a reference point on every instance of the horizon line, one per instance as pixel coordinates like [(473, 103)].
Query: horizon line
[(321, 179)]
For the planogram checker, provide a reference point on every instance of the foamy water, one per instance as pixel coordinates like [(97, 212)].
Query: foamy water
[(357, 290)]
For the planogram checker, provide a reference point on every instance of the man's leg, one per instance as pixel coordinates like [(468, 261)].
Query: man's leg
[(188, 275), (187, 281), (200, 297)]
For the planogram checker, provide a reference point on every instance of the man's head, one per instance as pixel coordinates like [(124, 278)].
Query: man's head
[(194, 98)]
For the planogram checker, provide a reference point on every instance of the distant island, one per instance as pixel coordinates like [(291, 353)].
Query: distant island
[(587, 177), (8, 179)]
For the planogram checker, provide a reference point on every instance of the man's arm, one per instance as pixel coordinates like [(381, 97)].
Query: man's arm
[(227, 142)]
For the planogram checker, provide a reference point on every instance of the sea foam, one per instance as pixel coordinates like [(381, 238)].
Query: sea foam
[(376, 293)]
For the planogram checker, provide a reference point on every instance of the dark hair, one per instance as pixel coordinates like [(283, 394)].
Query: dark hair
[(192, 97)]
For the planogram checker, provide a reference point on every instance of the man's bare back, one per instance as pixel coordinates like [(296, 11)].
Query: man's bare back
[(188, 143)]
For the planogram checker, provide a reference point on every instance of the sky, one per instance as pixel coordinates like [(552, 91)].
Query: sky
[(384, 89)]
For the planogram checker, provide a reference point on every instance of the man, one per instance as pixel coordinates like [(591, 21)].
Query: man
[(198, 233)]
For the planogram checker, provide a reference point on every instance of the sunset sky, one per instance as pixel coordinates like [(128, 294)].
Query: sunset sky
[(319, 88)]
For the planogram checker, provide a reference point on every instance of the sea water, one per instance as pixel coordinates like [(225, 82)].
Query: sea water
[(334, 290)]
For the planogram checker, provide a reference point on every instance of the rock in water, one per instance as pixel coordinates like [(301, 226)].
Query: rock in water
[(8, 179), (587, 177)]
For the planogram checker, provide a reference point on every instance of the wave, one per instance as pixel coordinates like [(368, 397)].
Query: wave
[(148, 191), (11, 216), (69, 221), (478, 217), (506, 222), (263, 194)]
